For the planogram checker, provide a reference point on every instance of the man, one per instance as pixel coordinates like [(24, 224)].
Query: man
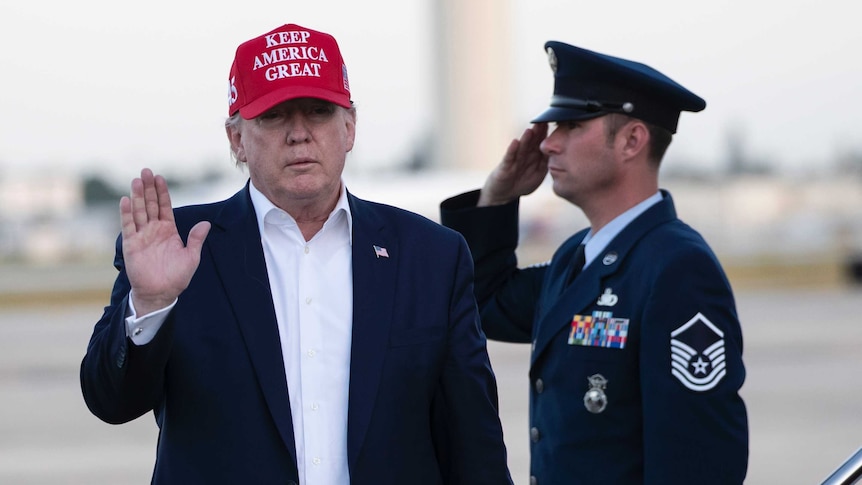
[(298, 334), (636, 347)]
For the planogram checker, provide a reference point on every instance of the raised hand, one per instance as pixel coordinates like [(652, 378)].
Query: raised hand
[(159, 266), (522, 170)]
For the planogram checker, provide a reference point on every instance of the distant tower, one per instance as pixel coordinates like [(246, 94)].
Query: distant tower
[(473, 95), (735, 143)]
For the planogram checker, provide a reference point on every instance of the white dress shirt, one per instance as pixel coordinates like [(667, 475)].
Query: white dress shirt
[(312, 292)]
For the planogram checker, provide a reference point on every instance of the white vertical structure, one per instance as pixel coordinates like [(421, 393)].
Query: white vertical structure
[(473, 86)]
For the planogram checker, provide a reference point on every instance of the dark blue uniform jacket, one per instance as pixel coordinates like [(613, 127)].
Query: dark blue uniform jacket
[(653, 316)]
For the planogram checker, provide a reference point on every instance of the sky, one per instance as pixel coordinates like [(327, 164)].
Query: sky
[(106, 85)]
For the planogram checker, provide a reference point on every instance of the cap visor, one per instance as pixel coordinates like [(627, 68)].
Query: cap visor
[(262, 104), (565, 114)]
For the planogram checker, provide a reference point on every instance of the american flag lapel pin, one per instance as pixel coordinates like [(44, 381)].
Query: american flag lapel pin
[(380, 252)]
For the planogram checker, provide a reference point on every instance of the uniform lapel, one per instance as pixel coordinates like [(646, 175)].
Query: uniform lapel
[(585, 290), (373, 303), (573, 299), (238, 256)]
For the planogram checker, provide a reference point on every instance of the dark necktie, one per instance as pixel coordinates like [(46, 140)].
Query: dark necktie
[(578, 261)]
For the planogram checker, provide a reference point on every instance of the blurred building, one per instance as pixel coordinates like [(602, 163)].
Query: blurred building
[(43, 218), (752, 221)]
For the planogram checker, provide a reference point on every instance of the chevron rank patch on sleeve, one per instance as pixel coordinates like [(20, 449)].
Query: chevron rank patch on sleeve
[(697, 354)]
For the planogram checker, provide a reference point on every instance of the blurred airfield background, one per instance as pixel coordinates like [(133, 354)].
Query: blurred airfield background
[(782, 211), (788, 249)]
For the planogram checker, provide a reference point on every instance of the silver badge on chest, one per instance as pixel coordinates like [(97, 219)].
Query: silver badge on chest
[(595, 400)]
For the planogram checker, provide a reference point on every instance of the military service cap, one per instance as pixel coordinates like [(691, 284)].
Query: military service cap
[(588, 84)]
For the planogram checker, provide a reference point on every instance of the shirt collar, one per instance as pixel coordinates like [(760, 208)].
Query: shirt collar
[(596, 243), (263, 206)]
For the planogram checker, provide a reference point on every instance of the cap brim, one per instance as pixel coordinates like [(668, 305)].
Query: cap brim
[(262, 104), (566, 114)]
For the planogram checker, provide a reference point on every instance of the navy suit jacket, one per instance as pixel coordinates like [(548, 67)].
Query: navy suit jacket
[(422, 397), (654, 315)]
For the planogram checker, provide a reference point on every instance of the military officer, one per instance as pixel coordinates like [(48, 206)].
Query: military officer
[(636, 360)]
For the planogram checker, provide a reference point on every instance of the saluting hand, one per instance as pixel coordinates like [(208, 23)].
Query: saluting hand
[(522, 170), (158, 264)]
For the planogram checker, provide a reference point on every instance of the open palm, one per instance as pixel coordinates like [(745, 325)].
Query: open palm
[(159, 266)]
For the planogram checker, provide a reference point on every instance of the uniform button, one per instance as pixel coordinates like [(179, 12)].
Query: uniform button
[(540, 385), (533, 480), (534, 434)]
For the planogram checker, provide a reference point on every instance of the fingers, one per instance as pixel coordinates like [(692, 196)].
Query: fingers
[(149, 200), (151, 197), (540, 130), (526, 146), (166, 210), (518, 148), (510, 156), (137, 205), (538, 133), (127, 222), (527, 150)]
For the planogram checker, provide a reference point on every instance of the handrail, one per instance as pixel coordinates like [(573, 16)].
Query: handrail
[(849, 472)]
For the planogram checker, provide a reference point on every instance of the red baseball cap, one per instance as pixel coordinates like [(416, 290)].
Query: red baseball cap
[(286, 63)]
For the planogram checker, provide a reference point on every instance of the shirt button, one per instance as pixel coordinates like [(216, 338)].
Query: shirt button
[(315, 406), (307, 249), (311, 352), (316, 460), (540, 385), (308, 301), (137, 331), (534, 435)]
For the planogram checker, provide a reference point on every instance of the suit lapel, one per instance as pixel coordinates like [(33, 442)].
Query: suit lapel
[(581, 294), (238, 256), (373, 303)]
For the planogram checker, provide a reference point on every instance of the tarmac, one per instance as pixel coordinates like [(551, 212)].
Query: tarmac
[(803, 387)]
